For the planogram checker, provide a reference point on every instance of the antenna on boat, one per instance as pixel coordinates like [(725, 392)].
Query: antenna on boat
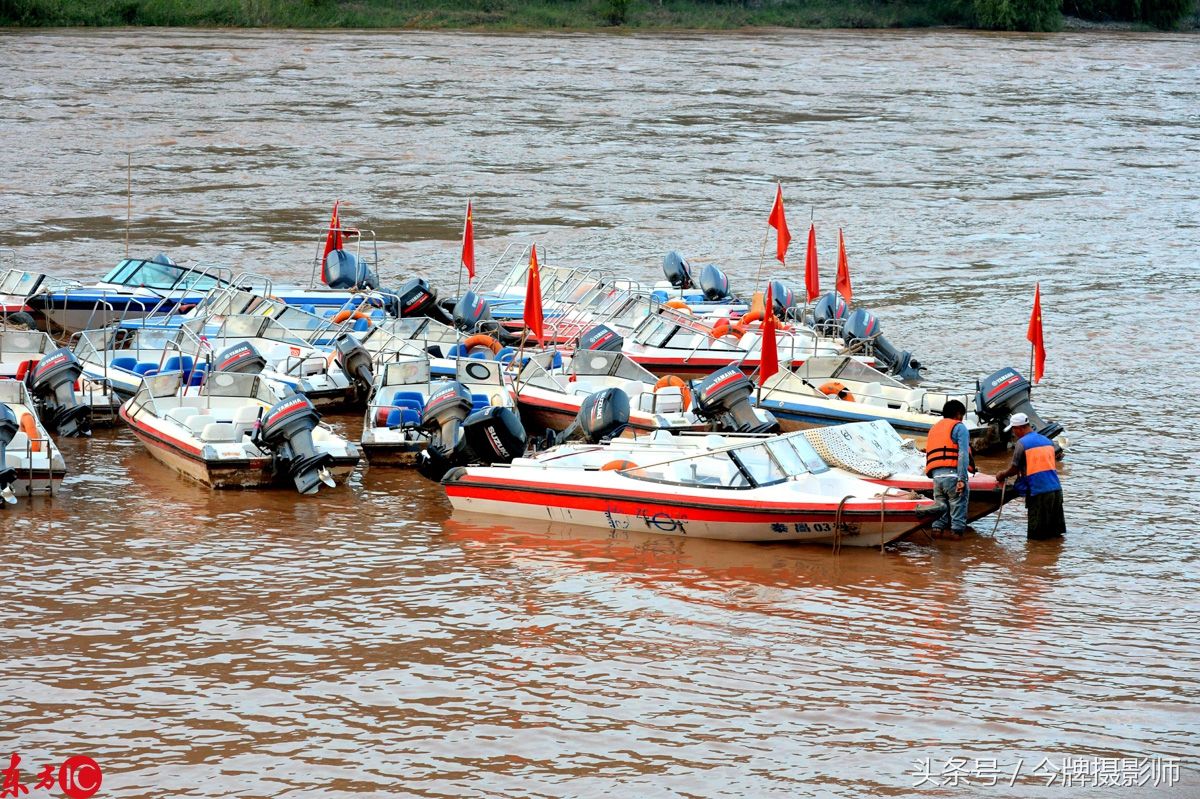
[(128, 198)]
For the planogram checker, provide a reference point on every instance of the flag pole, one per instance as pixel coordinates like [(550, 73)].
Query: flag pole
[(762, 257), (128, 198)]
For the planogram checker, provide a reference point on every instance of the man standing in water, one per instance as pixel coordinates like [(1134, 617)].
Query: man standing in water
[(947, 456), (1033, 461)]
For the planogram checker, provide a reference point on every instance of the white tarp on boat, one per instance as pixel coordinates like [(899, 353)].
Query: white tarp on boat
[(873, 449)]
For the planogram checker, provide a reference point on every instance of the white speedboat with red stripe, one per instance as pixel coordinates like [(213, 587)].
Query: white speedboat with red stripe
[(30, 463), (764, 489)]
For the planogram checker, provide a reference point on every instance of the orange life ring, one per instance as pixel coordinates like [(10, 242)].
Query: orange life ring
[(834, 388), (743, 324), (482, 340), (720, 328), (342, 316), (618, 465), (29, 428), (677, 303), (672, 381)]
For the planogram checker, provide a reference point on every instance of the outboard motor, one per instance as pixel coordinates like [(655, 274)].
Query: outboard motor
[(829, 315), (445, 411), (862, 327), (602, 415), (54, 384), (8, 475), (677, 270), (725, 395), (472, 314), (286, 432), (1003, 393), (494, 435), (714, 283), (164, 259), (783, 298), (242, 358), (355, 361), (418, 298), (343, 271), (601, 338)]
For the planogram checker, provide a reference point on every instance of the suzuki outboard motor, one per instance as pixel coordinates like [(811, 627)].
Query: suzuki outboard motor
[(829, 315), (417, 298), (343, 271), (8, 475), (602, 415), (725, 395), (494, 435), (54, 384), (862, 327), (601, 338), (445, 411), (1003, 393), (714, 283), (677, 270), (355, 361), (783, 298), (473, 315), (286, 432), (242, 358)]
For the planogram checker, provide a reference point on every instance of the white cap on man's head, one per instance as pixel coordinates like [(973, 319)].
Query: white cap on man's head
[(1017, 420)]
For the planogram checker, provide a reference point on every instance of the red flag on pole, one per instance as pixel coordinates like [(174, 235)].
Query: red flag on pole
[(843, 275), (468, 248), (812, 280), (333, 239), (777, 220), (1034, 334), (768, 361), (533, 297)]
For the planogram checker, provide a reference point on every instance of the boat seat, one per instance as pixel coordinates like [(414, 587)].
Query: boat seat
[(409, 399), (634, 388), (313, 365), (479, 355), (19, 446), (244, 419), (193, 402), (403, 417), (312, 309), (181, 414), (125, 362), (198, 374), (479, 401), (219, 431), (506, 354), (582, 388), (146, 368), (457, 351), (670, 400), (200, 421), (177, 363)]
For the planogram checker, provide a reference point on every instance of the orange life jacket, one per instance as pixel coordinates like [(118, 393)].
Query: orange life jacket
[(940, 450)]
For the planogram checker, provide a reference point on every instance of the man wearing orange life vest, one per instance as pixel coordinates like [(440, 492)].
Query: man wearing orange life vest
[(947, 458), (1033, 461)]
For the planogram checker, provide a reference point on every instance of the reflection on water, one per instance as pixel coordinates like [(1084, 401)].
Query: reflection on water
[(256, 643)]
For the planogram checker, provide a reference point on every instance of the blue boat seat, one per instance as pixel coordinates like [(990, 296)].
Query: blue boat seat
[(177, 363), (362, 325), (480, 356), (403, 417), (479, 401), (659, 295), (146, 368), (198, 374), (457, 351), (409, 399), (125, 363), (556, 361), (307, 308)]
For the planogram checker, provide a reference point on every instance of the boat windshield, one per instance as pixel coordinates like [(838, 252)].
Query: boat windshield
[(155, 275), (610, 364), (409, 372), (859, 371), (19, 284), (763, 463), (675, 331)]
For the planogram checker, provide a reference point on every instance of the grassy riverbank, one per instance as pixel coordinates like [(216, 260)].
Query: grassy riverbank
[(592, 14)]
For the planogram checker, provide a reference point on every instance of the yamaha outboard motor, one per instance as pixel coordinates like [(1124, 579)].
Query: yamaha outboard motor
[(54, 384), (862, 327), (286, 432), (602, 415), (164, 259), (677, 270), (418, 298), (445, 411), (472, 314), (494, 435), (829, 315), (783, 298), (1003, 393), (8, 475), (355, 361), (344, 271), (242, 358), (601, 338), (725, 396), (714, 283)]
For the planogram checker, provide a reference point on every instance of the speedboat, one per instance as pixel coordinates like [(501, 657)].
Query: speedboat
[(17, 286), (68, 401), (233, 431), (776, 489), (30, 462)]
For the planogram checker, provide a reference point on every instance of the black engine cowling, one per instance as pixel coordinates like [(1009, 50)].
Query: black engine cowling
[(714, 283), (242, 358), (53, 383), (8, 475), (829, 315), (602, 415), (783, 298), (677, 270), (1005, 392), (494, 435), (443, 417), (418, 298), (863, 328), (724, 396), (473, 315), (286, 432), (601, 338), (355, 361), (344, 271)]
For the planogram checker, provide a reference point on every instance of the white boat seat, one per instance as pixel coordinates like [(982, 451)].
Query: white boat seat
[(314, 365), (218, 431), (670, 400), (582, 388), (19, 444), (197, 423), (244, 419), (181, 415), (645, 402), (634, 388), (193, 402)]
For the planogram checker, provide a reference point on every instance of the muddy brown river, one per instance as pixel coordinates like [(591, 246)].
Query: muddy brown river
[(365, 643)]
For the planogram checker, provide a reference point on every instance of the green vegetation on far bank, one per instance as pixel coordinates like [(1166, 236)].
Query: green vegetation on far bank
[(1039, 15)]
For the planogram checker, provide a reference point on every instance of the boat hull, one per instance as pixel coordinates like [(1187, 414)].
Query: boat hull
[(393, 454)]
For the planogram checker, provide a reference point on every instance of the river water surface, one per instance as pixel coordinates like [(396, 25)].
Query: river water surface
[(363, 643)]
